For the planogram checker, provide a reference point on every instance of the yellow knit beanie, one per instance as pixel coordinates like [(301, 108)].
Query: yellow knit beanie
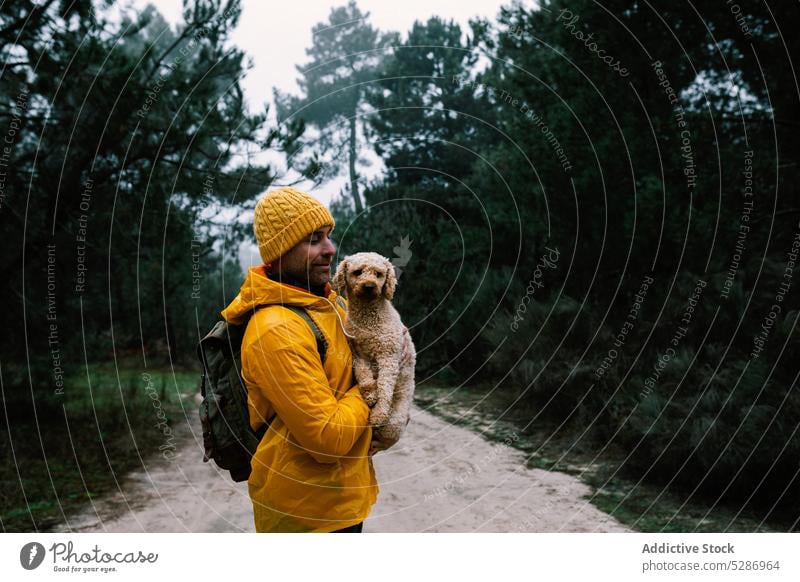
[(283, 218)]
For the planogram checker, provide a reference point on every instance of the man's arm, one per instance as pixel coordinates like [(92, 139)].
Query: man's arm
[(291, 377)]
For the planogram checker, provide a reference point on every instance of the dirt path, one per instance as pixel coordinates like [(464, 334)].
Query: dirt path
[(440, 477)]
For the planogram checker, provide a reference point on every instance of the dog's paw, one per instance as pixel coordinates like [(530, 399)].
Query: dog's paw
[(370, 395), (364, 377), (378, 417), (389, 434), (368, 384)]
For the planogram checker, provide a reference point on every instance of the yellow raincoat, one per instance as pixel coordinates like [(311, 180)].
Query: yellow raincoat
[(311, 471)]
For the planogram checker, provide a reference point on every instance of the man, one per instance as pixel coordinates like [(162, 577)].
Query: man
[(312, 471)]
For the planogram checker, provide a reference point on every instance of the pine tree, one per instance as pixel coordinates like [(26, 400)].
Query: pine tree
[(343, 59)]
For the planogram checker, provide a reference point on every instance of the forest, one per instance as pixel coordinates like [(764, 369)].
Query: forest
[(593, 209)]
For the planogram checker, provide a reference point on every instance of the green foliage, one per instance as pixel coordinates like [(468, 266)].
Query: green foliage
[(122, 179), (505, 143), (520, 137), (124, 158), (110, 422)]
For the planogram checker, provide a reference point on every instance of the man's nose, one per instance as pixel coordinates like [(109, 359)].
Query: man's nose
[(329, 248)]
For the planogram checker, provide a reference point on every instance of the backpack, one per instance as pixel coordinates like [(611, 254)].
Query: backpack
[(228, 438)]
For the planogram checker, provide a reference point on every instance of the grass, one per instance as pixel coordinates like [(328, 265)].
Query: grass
[(73, 449), (644, 507)]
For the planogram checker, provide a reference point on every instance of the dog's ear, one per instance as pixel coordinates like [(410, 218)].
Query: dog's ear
[(391, 281), (339, 283)]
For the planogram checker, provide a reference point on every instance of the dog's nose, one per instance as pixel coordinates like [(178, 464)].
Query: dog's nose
[(369, 286)]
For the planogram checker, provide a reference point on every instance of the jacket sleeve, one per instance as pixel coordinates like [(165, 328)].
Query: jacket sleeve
[(290, 375)]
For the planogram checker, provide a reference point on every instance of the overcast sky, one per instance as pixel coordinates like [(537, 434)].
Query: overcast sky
[(276, 34)]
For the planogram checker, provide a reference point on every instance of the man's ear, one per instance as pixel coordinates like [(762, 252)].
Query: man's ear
[(391, 281), (339, 283)]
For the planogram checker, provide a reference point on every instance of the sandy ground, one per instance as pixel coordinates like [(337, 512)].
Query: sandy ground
[(439, 478)]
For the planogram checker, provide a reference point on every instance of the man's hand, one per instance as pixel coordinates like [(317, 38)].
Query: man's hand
[(378, 445)]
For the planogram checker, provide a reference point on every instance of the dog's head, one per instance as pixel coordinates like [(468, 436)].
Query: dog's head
[(365, 276)]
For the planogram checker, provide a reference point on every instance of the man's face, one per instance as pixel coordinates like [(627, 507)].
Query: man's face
[(310, 259)]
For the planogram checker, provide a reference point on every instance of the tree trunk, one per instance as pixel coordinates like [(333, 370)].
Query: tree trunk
[(353, 158)]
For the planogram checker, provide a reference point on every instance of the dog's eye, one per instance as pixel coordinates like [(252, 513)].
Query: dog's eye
[(379, 275), (357, 272)]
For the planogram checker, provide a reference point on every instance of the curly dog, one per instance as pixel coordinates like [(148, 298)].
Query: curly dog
[(376, 333)]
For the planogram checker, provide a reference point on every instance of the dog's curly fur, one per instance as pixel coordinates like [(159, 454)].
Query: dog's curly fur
[(368, 282)]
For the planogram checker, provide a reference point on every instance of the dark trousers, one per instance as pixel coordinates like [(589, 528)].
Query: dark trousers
[(352, 529)]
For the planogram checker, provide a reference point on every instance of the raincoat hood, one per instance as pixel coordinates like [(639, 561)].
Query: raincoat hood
[(259, 290)]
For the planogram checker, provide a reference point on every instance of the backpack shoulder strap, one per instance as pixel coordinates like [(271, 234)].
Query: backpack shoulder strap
[(322, 344), (232, 334)]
